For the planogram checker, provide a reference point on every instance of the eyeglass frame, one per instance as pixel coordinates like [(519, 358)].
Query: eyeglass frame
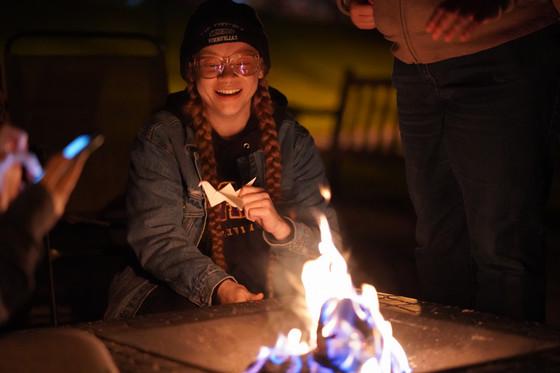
[(225, 62)]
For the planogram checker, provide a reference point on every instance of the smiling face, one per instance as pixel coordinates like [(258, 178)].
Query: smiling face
[(227, 96)]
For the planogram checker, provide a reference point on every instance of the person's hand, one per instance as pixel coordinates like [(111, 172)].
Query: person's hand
[(60, 178), (230, 291), (12, 141), (259, 208), (10, 181), (457, 19), (362, 14)]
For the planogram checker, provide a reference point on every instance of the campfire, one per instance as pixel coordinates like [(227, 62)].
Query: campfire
[(346, 331)]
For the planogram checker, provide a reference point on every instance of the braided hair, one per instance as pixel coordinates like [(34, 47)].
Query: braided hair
[(263, 109)]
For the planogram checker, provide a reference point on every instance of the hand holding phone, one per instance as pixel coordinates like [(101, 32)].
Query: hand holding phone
[(85, 142), (80, 144), (63, 170)]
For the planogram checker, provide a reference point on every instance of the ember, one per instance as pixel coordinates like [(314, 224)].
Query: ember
[(347, 333)]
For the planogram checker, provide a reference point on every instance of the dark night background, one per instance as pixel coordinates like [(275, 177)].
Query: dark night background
[(312, 45)]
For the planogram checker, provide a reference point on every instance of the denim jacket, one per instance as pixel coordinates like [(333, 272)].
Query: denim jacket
[(166, 210)]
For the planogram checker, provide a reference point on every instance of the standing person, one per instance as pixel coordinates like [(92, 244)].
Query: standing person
[(227, 126), (475, 82)]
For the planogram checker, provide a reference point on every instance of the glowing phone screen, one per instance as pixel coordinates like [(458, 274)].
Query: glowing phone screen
[(76, 146)]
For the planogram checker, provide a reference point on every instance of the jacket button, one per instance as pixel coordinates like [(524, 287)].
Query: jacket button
[(246, 146)]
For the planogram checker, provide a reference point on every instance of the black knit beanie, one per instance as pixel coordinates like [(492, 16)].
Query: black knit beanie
[(223, 21)]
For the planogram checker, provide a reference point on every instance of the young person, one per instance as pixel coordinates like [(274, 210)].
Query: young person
[(227, 126), (476, 82)]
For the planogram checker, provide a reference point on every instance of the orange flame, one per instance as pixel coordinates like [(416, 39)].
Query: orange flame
[(327, 283)]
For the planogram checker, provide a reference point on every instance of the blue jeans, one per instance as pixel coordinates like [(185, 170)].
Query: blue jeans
[(476, 134)]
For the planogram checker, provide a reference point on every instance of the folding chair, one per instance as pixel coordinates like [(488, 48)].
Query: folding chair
[(366, 125)]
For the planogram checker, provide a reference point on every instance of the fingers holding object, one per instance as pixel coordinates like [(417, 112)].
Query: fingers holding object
[(68, 182), (61, 176), (258, 206), (249, 189), (253, 197)]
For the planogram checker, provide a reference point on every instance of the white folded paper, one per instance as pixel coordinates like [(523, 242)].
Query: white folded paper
[(227, 194)]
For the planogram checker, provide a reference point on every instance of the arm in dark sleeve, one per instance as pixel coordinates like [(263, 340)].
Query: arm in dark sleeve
[(156, 232), (22, 228)]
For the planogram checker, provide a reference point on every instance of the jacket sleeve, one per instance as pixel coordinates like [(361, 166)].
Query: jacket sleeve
[(22, 227), (156, 229), (304, 203)]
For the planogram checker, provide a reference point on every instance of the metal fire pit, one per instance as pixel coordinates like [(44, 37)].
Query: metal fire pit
[(227, 338)]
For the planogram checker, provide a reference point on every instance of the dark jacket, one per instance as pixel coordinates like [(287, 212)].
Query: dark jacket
[(22, 228), (167, 209)]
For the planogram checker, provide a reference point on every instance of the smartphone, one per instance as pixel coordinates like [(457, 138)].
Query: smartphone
[(85, 142)]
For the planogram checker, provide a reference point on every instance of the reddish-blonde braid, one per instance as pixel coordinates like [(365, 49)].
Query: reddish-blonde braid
[(263, 109), (203, 138)]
